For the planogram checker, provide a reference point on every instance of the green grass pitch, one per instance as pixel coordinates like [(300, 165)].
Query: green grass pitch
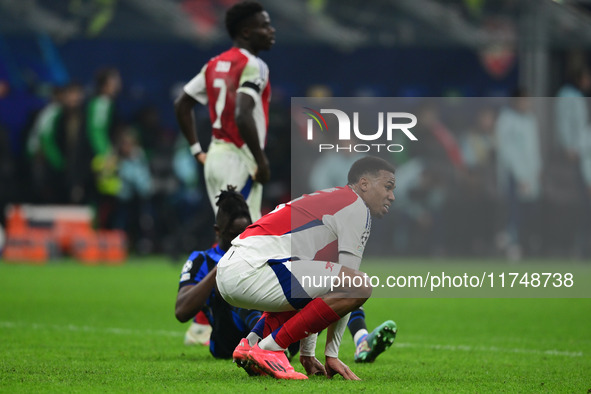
[(71, 328)]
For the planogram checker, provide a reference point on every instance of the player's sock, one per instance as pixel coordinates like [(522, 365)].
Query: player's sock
[(268, 323), (275, 320), (357, 326), (268, 343), (259, 327), (360, 336), (315, 316), (252, 338), (200, 318)]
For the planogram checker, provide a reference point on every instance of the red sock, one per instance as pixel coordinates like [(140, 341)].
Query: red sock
[(201, 318), (315, 316), (274, 320)]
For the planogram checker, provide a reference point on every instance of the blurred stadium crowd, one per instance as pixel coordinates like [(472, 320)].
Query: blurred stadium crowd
[(488, 176), (86, 117)]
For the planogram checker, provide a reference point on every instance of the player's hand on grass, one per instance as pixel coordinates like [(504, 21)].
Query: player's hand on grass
[(312, 365), (263, 172), (335, 366), (200, 157)]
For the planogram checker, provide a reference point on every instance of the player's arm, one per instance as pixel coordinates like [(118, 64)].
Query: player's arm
[(183, 109), (193, 92), (308, 356), (191, 298), (335, 331), (248, 131), (333, 342), (349, 260), (351, 226)]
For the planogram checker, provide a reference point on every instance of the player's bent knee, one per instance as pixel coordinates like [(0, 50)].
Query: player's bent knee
[(366, 291), (355, 289), (362, 294)]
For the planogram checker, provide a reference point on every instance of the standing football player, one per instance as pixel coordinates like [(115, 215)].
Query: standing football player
[(321, 235), (235, 87)]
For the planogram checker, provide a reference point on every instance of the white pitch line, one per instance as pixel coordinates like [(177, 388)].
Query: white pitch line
[(130, 331), (103, 330), (491, 349)]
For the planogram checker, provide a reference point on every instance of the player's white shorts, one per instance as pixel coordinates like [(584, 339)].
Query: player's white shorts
[(226, 164), (276, 286)]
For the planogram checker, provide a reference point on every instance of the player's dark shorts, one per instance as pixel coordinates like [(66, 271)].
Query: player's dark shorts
[(229, 325)]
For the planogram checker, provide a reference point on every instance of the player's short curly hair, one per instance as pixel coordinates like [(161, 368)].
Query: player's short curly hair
[(240, 13), (231, 205), (368, 165)]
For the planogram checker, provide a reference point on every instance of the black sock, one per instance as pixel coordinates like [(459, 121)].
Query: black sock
[(357, 321)]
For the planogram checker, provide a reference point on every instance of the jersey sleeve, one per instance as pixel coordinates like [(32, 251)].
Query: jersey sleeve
[(196, 87), (194, 270), (352, 225), (254, 78)]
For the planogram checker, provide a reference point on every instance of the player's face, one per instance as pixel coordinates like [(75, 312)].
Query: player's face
[(379, 193), (232, 230), (73, 97), (262, 34), (114, 84)]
